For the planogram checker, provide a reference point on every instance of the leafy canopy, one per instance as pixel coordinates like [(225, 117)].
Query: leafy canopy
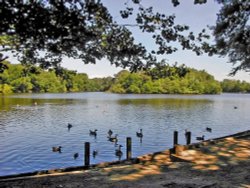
[(42, 32)]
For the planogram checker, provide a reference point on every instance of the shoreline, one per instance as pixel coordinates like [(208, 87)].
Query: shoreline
[(134, 160), (217, 155)]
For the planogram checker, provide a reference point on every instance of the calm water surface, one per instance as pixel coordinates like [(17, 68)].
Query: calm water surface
[(29, 131)]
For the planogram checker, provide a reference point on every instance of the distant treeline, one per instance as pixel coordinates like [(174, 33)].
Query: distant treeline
[(160, 79)]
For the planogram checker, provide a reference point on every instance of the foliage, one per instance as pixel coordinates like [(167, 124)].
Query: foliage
[(235, 86), (42, 32), (194, 82), (5, 89), (22, 79), (163, 70), (232, 33)]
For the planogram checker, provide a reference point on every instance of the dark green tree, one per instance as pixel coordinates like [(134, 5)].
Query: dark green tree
[(42, 32), (232, 33)]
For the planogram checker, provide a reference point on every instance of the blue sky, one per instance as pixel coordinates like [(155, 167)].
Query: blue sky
[(196, 16)]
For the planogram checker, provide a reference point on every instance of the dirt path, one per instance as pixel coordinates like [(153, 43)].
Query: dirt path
[(224, 163)]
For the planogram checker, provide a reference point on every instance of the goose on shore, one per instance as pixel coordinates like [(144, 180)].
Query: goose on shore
[(200, 137), (57, 149), (139, 134)]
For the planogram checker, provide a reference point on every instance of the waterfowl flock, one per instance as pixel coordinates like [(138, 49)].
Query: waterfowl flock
[(114, 139), (111, 138)]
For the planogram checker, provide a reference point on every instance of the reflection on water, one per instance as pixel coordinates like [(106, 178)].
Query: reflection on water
[(167, 102), (30, 125)]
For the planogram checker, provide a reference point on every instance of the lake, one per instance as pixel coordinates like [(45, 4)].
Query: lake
[(31, 124)]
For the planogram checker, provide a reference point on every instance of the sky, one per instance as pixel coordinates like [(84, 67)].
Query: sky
[(196, 16)]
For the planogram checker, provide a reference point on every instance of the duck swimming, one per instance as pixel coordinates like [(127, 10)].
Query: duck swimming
[(118, 151), (208, 129), (76, 155), (93, 133), (113, 139), (139, 134), (200, 138), (69, 126), (95, 153), (110, 132), (57, 149)]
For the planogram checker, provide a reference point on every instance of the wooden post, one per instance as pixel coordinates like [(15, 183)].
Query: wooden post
[(129, 148), (87, 154), (175, 137), (188, 138)]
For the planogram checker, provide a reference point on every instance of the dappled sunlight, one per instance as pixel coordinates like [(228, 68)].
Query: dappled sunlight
[(149, 165), (206, 156), (213, 157)]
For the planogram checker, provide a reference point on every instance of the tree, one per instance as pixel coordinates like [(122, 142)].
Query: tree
[(48, 82), (22, 85), (44, 31), (5, 89), (235, 86), (232, 33), (194, 82), (80, 82)]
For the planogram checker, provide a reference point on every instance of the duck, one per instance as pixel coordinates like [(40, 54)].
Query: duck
[(118, 151), (113, 139), (95, 153), (110, 132), (57, 149), (69, 126), (139, 134), (93, 133), (76, 155), (200, 137), (208, 129)]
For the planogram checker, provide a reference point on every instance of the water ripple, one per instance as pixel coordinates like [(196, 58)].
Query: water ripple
[(28, 132)]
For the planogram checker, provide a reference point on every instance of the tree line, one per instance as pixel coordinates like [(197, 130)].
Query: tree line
[(162, 79)]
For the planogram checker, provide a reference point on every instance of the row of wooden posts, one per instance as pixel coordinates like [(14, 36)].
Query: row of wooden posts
[(129, 147)]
